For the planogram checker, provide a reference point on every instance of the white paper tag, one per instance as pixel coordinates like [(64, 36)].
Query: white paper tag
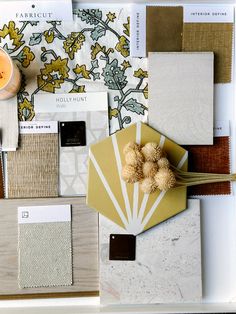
[(38, 127), (221, 128), (46, 103), (138, 31), (208, 14), (42, 214), (43, 10)]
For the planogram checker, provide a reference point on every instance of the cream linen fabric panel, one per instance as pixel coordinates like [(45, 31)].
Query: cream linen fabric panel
[(181, 96), (32, 171), (45, 257), (9, 130)]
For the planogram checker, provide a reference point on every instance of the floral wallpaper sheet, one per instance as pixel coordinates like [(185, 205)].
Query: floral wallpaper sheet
[(90, 54)]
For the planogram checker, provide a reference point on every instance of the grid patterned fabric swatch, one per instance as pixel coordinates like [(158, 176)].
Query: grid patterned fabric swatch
[(73, 160), (45, 257), (164, 27), (9, 130), (211, 159), (32, 171), (216, 37)]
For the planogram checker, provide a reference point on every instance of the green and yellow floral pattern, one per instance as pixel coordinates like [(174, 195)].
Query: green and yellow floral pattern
[(91, 54)]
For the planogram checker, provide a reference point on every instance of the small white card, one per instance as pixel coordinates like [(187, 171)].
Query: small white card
[(138, 31), (208, 14), (222, 128), (38, 127), (43, 10), (46, 103), (42, 214)]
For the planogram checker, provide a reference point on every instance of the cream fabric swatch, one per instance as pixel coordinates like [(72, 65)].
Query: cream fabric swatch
[(9, 129), (45, 257), (32, 171), (73, 161), (181, 96)]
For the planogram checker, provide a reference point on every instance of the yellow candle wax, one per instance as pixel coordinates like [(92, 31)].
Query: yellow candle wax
[(10, 78), (5, 69)]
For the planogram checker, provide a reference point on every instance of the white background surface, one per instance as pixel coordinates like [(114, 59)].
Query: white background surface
[(218, 241)]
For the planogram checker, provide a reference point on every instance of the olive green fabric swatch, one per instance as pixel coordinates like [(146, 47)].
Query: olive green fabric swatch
[(164, 27), (45, 257), (32, 170), (216, 37)]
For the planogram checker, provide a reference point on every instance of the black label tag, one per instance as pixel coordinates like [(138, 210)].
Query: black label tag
[(122, 247), (73, 133)]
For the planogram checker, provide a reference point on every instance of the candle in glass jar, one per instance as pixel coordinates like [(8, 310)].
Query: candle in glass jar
[(10, 77)]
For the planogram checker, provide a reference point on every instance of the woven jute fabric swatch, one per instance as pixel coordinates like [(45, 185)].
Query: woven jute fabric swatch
[(45, 257), (211, 159), (32, 170), (216, 37), (164, 27)]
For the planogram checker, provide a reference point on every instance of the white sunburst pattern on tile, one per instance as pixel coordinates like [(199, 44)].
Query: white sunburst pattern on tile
[(135, 219)]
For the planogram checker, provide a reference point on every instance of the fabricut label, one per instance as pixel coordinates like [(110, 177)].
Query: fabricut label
[(208, 14), (42, 10)]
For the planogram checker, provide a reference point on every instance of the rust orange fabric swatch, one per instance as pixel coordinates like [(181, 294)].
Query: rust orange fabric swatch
[(216, 37), (213, 159)]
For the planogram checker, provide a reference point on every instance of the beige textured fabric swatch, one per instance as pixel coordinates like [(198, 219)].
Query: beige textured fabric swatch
[(45, 257), (181, 96), (216, 37), (32, 170), (9, 130)]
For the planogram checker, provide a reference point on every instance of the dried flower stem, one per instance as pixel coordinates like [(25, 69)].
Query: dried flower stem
[(184, 178)]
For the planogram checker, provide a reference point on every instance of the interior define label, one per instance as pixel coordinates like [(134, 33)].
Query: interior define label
[(138, 31), (43, 10), (208, 14), (221, 128), (37, 127), (42, 214), (95, 101)]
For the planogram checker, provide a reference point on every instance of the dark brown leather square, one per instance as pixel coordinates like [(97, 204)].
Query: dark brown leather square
[(122, 247)]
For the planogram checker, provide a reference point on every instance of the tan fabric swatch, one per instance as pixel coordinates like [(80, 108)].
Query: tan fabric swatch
[(164, 27), (216, 37), (212, 159), (33, 169)]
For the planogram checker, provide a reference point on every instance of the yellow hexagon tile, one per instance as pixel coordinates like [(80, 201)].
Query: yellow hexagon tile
[(123, 203)]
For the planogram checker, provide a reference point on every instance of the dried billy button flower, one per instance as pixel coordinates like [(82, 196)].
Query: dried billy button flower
[(152, 152)]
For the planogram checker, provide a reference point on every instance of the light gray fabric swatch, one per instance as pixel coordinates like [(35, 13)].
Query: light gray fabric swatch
[(45, 257), (73, 160), (9, 130), (181, 96)]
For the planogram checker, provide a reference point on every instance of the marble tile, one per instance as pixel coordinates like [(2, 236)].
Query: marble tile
[(167, 266)]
